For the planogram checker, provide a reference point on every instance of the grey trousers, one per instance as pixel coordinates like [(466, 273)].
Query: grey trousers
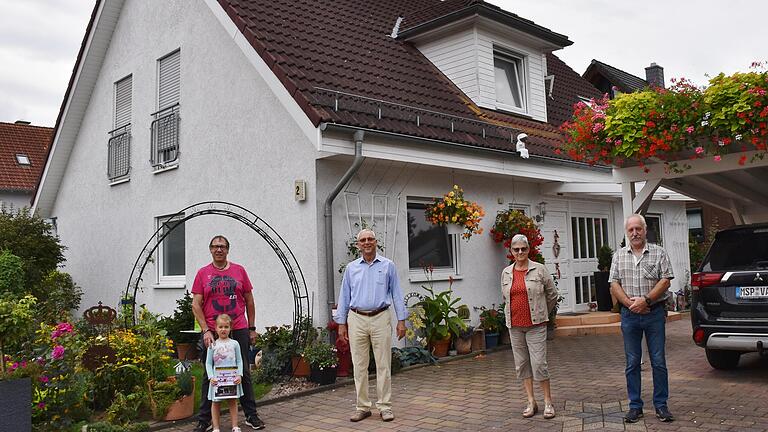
[(529, 346)]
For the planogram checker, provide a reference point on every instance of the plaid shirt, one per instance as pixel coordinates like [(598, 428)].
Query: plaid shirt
[(639, 279)]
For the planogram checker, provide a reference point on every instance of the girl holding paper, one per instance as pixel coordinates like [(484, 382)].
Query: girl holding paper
[(224, 365)]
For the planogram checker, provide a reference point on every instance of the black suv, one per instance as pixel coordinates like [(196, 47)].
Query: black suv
[(729, 302)]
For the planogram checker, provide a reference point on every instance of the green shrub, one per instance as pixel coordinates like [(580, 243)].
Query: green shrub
[(11, 274), (181, 320), (63, 297)]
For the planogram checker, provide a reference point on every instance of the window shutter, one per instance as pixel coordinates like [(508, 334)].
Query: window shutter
[(123, 89), (169, 80)]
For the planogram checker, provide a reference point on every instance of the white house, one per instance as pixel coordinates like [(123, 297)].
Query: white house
[(268, 104)]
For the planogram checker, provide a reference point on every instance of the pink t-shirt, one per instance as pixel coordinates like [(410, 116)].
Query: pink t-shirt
[(223, 292)]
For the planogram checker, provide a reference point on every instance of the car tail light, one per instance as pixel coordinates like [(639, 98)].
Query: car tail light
[(703, 280), (698, 336)]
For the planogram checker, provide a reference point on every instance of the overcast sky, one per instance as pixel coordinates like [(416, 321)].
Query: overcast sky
[(39, 40)]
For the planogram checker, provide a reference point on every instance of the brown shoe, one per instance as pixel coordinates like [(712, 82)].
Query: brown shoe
[(387, 415), (360, 415)]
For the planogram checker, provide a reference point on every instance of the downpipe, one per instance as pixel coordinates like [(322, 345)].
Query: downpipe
[(328, 218)]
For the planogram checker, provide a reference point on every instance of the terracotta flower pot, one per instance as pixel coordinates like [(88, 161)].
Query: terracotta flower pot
[(463, 346), (299, 366), (440, 348), (182, 408)]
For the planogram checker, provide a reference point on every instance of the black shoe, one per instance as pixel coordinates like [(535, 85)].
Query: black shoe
[(633, 415), (663, 414), (203, 426), (255, 422)]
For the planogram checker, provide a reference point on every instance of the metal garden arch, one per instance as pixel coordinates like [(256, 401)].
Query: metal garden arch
[(301, 306)]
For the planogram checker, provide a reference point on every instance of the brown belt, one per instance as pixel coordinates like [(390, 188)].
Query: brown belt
[(371, 313)]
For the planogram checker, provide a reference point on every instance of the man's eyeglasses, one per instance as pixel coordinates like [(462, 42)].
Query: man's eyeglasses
[(222, 247), (366, 240), (518, 250)]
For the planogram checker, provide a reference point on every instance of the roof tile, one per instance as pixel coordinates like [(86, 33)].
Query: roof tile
[(32, 141)]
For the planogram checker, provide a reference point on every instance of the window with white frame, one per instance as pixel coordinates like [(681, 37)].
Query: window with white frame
[(22, 159), (429, 245), (119, 144), (589, 234), (171, 252), (165, 122), (510, 75)]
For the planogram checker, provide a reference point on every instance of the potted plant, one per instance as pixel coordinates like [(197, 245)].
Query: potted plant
[(491, 321), (511, 222), (306, 334), (457, 214), (323, 360), (183, 406), (463, 312), (463, 340), (440, 317), (178, 327), (603, 286)]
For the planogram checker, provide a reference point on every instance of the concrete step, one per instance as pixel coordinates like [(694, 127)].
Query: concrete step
[(599, 323)]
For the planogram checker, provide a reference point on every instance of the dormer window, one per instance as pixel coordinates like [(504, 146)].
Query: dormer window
[(23, 159), (510, 81)]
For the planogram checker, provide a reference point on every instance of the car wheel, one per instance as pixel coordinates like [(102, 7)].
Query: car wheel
[(723, 359)]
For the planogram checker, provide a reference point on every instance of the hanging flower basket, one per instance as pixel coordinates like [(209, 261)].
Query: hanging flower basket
[(457, 214), (512, 222), (669, 125)]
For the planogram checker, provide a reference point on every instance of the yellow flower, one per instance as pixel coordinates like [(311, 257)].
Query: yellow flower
[(451, 194)]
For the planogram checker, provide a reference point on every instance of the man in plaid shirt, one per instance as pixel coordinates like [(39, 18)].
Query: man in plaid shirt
[(640, 275)]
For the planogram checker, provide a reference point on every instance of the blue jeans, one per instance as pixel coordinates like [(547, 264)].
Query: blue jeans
[(653, 325)]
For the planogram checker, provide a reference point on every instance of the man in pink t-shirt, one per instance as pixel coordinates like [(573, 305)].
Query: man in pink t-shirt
[(223, 287)]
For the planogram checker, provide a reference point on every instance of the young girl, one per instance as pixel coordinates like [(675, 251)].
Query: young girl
[(224, 353)]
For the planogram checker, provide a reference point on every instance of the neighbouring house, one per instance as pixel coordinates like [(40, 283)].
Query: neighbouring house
[(23, 149), (271, 105), (612, 81)]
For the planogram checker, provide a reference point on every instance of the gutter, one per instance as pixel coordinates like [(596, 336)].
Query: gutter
[(562, 162), (328, 218)]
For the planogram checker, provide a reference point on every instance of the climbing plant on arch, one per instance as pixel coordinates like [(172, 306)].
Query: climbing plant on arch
[(301, 306)]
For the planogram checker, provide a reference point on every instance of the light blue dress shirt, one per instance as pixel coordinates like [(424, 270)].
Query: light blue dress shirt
[(370, 287)]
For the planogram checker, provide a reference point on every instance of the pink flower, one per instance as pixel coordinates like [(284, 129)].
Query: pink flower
[(43, 379), (689, 129), (717, 158), (58, 352), (41, 405), (699, 150), (62, 328), (597, 127)]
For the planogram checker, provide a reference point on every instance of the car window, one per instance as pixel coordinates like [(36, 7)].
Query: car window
[(738, 250)]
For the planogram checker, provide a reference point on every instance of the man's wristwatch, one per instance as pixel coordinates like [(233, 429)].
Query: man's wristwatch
[(647, 300), (252, 328)]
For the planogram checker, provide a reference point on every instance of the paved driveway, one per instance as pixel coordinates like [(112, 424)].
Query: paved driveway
[(588, 387)]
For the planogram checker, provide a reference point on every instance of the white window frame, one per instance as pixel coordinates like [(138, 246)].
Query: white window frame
[(521, 64), (166, 281), (439, 273)]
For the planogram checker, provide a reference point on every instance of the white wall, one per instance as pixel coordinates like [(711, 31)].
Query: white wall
[(14, 200), (237, 144)]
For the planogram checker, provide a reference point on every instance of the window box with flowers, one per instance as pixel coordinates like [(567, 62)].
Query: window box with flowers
[(457, 214), (512, 222), (671, 125)]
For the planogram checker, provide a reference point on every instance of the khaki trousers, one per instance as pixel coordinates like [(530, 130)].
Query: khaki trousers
[(529, 347), (364, 333)]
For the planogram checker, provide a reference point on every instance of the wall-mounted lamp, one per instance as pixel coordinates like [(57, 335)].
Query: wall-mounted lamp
[(542, 212)]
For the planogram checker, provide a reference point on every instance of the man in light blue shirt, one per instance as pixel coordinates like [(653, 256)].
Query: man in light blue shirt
[(369, 287)]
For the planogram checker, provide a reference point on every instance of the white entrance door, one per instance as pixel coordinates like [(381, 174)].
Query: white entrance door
[(558, 258), (588, 233)]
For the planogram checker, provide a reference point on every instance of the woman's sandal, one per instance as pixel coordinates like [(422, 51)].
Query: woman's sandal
[(530, 410), (549, 411)]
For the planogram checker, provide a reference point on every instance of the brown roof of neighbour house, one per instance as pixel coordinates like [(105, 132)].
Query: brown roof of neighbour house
[(22, 139), (340, 64), (568, 88), (624, 81)]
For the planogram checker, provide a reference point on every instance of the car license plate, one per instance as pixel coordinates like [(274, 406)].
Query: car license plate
[(752, 292)]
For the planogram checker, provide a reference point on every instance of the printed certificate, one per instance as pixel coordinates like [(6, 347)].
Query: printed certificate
[(225, 382)]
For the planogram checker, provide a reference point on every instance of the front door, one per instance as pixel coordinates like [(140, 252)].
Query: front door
[(557, 253), (589, 232)]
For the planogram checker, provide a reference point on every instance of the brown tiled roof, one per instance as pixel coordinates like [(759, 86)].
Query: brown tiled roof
[(32, 141), (568, 87), (624, 81), (344, 46)]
